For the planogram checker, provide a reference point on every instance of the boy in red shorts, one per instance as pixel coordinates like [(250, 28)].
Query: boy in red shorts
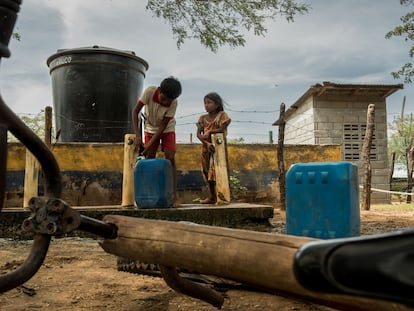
[(159, 126)]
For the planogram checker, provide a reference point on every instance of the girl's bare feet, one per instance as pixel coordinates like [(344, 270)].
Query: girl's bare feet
[(208, 201)]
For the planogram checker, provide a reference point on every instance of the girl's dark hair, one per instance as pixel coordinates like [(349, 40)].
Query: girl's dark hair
[(217, 99), (171, 87)]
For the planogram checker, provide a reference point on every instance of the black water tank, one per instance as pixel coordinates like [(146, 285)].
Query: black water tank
[(94, 91)]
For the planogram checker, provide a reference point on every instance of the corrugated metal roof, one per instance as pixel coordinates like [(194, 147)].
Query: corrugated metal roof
[(329, 88)]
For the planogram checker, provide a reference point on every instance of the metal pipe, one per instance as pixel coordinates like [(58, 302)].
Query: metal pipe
[(8, 13), (37, 147), (9, 121), (53, 180), (189, 288), (100, 228), (31, 265)]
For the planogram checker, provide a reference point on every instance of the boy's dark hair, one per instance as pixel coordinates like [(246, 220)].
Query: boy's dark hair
[(217, 99), (171, 87)]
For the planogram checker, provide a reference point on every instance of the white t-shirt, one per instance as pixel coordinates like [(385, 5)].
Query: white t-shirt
[(155, 112)]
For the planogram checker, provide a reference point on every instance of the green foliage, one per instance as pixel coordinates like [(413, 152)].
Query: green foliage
[(217, 22), (35, 122), (402, 137), (239, 140), (406, 31), (236, 188)]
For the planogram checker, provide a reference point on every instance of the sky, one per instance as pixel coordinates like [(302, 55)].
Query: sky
[(338, 41)]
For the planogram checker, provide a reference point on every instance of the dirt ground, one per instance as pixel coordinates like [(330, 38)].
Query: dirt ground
[(78, 275)]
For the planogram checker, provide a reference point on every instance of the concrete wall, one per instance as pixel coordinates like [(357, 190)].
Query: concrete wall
[(92, 172), (301, 127)]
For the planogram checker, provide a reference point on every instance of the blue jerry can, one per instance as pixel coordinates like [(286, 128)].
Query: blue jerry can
[(153, 183), (322, 200)]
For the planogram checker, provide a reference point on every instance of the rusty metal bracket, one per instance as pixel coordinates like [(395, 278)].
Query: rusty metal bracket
[(51, 216), (54, 217)]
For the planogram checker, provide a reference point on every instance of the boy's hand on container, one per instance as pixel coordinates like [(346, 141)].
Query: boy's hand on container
[(138, 145), (144, 151)]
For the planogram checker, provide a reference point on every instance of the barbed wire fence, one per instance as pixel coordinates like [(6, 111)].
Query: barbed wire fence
[(183, 120), (250, 129)]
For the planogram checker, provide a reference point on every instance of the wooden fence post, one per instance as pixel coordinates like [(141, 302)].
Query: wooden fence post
[(366, 163), (392, 165), (410, 168), (128, 171), (48, 135), (31, 178), (48, 126), (221, 168), (280, 160)]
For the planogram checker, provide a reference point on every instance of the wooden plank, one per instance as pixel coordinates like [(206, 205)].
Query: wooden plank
[(221, 168)]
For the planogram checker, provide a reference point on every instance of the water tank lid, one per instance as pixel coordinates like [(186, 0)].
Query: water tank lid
[(96, 49)]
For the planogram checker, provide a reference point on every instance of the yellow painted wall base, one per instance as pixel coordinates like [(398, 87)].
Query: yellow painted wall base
[(93, 172)]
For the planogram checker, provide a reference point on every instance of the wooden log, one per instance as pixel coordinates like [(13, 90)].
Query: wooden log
[(221, 168), (262, 260), (128, 171)]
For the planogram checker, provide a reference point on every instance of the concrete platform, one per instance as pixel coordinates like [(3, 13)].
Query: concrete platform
[(234, 215)]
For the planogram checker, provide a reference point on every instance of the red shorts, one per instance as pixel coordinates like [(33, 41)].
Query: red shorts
[(167, 141)]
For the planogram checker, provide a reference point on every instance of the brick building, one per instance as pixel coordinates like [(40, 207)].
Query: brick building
[(332, 113)]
